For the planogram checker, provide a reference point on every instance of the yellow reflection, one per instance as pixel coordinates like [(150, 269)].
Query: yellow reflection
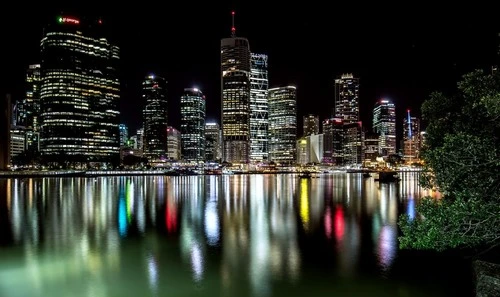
[(304, 203)]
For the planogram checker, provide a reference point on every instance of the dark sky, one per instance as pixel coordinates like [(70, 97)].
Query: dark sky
[(398, 52)]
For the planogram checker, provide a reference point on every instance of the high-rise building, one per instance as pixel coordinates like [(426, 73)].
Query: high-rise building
[(193, 108), (5, 125), (371, 149), (283, 124), (17, 140), (235, 84), (258, 108), (79, 94), (123, 135), (333, 141), (213, 142), (139, 141), (310, 125), (411, 138), (384, 124), (353, 144), (154, 95), (29, 109), (174, 144), (347, 98)]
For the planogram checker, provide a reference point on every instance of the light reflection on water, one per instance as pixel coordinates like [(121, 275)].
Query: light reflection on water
[(245, 235)]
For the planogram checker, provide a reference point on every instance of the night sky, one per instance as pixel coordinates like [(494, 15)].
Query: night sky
[(398, 52)]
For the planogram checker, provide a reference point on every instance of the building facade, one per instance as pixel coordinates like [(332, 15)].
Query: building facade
[(193, 109), (384, 124), (213, 142), (235, 105), (283, 124), (154, 95), (174, 144), (347, 98), (5, 126), (79, 94), (310, 125), (411, 139), (29, 109), (333, 141), (259, 121), (123, 135)]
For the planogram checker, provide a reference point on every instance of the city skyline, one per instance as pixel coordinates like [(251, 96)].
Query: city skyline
[(388, 64)]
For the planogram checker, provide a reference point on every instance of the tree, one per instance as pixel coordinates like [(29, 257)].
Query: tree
[(462, 161)]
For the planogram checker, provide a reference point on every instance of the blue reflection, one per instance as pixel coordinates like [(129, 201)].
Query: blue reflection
[(122, 212), (410, 211)]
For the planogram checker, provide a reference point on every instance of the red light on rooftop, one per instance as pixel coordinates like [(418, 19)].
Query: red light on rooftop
[(408, 110), (100, 21), (233, 29), (232, 12)]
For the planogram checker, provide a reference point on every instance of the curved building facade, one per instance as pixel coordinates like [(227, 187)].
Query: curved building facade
[(154, 94), (80, 92), (283, 124)]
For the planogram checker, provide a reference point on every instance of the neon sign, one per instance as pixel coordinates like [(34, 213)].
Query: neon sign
[(68, 20)]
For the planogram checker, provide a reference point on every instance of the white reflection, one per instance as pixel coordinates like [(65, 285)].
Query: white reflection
[(387, 246), (212, 229), (153, 273)]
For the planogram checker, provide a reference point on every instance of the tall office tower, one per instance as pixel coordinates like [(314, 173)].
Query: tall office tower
[(193, 108), (411, 138), (123, 135), (384, 123), (353, 144), (371, 149), (30, 107), (235, 84), (333, 141), (310, 125), (5, 125), (259, 121), (154, 95), (79, 93), (283, 124), (213, 142), (140, 139), (347, 98), (174, 144)]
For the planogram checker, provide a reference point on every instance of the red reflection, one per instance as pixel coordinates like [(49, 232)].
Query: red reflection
[(171, 218), (339, 223), (328, 222)]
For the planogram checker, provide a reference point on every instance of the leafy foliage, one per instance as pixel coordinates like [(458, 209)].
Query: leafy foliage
[(462, 161)]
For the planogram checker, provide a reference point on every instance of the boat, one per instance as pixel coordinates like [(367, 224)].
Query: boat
[(387, 177)]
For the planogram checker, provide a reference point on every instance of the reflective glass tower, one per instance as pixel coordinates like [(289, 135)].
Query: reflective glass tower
[(235, 85), (310, 125), (193, 110), (154, 95), (347, 98), (283, 124), (79, 94), (258, 108), (29, 109), (384, 123)]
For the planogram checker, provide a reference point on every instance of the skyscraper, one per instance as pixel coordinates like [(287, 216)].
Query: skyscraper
[(213, 142), (310, 125), (384, 123), (123, 135), (5, 125), (411, 138), (235, 85), (258, 108), (174, 144), (29, 108), (193, 108), (154, 95), (283, 124), (79, 93), (347, 98)]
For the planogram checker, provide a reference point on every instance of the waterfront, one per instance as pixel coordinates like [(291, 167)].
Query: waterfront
[(220, 235)]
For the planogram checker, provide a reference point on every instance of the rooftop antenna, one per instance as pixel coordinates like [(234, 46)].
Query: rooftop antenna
[(233, 28)]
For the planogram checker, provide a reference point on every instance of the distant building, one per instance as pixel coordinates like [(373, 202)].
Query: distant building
[(310, 125), (29, 108), (371, 149), (17, 140), (333, 142), (259, 121), (353, 144), (193, 109), (235, 105), (154, 95), (213, 142), (123, 135), (174, 144), (5, 126), (384, 124), (347, 98), (79, 94), (411, 139), (302, 151), (283, 124)]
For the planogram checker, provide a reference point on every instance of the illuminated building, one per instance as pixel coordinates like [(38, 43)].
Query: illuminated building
[(302, 151), (123, 135), (193, 108), (411, 138), (79, 94), (310, 125), (5, 125), (213, 142), (353, 144), (347, 98), (174, 144), (283, 124), (235, 84), (17, 140), (371, 149), (258, 108), (139, 140), (154, 95), (333, 141), (384, 124)]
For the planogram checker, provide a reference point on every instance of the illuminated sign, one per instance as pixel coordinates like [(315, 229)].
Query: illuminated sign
[(68, 20)]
